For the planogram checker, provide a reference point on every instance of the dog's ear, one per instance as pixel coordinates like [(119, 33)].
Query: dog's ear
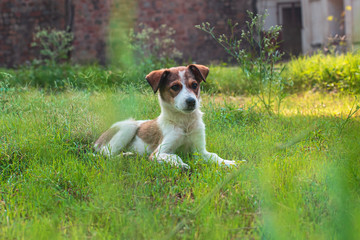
[(200, 71), (156, 78)]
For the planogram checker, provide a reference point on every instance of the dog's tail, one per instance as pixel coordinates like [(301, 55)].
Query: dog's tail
[(117, 137)]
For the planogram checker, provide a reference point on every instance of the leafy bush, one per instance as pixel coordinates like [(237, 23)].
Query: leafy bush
[(54, 45), (51, 69), (319, 72), (325, 72)]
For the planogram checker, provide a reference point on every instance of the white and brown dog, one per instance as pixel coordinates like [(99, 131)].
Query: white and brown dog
[(179, 126)]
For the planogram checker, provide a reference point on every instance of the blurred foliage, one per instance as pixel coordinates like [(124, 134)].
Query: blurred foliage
[(154, 48), (119, 51)]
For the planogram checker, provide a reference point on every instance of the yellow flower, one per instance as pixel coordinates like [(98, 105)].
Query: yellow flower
[(330, 18), (348, 7)]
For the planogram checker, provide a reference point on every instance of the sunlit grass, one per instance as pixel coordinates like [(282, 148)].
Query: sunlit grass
[(301, 179)]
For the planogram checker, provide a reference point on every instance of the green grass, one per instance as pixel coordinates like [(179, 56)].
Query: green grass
[(301, 179)]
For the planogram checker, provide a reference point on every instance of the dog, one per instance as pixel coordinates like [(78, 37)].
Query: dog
[(179, 128)]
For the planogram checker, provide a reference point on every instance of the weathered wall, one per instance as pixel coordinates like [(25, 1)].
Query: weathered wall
[(88, 20), (18, 19), (90, 27), (181, 15)]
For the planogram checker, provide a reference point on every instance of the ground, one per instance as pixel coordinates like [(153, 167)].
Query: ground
[(301, 178)]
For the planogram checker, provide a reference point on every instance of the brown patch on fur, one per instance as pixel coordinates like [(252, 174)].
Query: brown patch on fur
[(200, 71), (190, 80), (173, 78), (156, 78), (106, 137), (150, 133)]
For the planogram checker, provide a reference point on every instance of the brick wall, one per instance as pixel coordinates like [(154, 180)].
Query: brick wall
[(181, 15), (91, 20), (18, 19), (88, 20)]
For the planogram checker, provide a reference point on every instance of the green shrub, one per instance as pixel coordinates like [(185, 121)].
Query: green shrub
[(325, 72), (319, 72), (54, 45)]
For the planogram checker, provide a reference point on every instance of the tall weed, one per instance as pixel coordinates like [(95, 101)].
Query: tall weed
[(257, 52)]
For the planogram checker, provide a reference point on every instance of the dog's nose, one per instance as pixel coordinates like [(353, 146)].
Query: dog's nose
[(190, 102)]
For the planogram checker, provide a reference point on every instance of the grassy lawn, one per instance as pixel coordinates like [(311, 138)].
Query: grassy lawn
[(301, 178)]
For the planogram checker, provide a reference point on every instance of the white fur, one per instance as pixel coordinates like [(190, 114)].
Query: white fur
[(181, 130), (182, 76), (127, 131), (185, 93)]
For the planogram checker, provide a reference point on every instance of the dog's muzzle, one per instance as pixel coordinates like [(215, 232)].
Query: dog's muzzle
[(190, 104)]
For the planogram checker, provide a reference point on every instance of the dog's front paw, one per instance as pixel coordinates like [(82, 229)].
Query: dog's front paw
[(184, 166), (231, 163), (172, 159), (127, 154), (228, 163)]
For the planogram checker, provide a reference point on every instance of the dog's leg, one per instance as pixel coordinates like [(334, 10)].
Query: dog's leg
[(173, 159), (213, 157), (164, 152), (200, 146), (121, 134)]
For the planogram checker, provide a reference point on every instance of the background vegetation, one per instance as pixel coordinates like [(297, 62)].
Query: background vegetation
[(300, 181), (323, 73)]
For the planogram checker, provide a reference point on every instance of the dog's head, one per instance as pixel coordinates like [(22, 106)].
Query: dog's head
[(179, 86)]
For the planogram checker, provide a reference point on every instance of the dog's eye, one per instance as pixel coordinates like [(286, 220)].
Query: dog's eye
[(194, 85), (176, 87)]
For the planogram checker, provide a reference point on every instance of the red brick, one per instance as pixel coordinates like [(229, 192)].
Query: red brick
[(19, 18)]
